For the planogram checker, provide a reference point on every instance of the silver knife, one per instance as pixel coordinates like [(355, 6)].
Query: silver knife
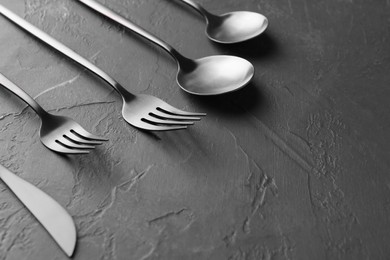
[(46, 210)]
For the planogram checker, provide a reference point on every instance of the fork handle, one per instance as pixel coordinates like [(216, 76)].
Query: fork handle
[(63, 49), (22, 95)]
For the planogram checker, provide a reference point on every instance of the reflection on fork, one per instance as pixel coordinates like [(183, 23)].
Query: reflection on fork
[(142, 111), (58, 133)]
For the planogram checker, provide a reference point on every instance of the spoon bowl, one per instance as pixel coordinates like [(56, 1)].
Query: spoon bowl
[(235, 27), (215, 75)]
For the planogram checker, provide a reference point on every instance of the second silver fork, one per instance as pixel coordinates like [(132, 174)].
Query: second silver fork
[(142, 111)]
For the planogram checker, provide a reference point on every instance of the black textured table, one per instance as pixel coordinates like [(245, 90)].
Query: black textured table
[(294, 166)]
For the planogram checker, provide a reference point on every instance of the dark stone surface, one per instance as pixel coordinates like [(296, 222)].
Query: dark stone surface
[(294, 166)]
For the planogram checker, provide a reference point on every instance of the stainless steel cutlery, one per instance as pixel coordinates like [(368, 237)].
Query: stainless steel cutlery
[(58, 133), (231, 27), (211, 75), (46, 210)]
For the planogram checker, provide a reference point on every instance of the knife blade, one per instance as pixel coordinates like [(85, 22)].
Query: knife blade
[(53, 217)]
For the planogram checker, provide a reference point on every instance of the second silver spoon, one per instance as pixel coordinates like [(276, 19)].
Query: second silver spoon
[(233, 27)]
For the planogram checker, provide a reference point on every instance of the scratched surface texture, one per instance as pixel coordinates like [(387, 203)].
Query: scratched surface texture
[(294, 166)]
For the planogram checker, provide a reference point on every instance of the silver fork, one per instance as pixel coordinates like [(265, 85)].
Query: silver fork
[(142, 111), (58, 133)]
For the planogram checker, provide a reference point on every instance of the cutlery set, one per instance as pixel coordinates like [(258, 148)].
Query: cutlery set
[(213, 75)]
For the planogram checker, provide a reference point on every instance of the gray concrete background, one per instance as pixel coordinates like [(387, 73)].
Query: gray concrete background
[(294, 166)]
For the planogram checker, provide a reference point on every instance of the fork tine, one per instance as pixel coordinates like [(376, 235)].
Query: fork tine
[(157, 121), (162, 115), (68, 142), (175, 111), (151, 127), (82, 133), (170, 128), (165, 128), (82, 145), (58, 147), (76, 138)]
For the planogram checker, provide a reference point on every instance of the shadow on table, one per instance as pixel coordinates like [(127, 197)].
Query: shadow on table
[(261, 47), (229, 107), (234, 104)]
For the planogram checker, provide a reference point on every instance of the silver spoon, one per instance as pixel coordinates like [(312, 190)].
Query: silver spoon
[(231, 27), (212, 75)]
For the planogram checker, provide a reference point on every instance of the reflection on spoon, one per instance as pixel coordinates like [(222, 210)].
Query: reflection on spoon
[(211, 75), (215, 75), (231, 27)]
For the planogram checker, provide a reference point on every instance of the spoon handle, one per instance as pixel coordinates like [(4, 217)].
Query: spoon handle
[(197, 7), (133, 27), (61, 48), (22, 95)]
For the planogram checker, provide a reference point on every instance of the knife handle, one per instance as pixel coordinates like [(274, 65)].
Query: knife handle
[(46, 210)]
